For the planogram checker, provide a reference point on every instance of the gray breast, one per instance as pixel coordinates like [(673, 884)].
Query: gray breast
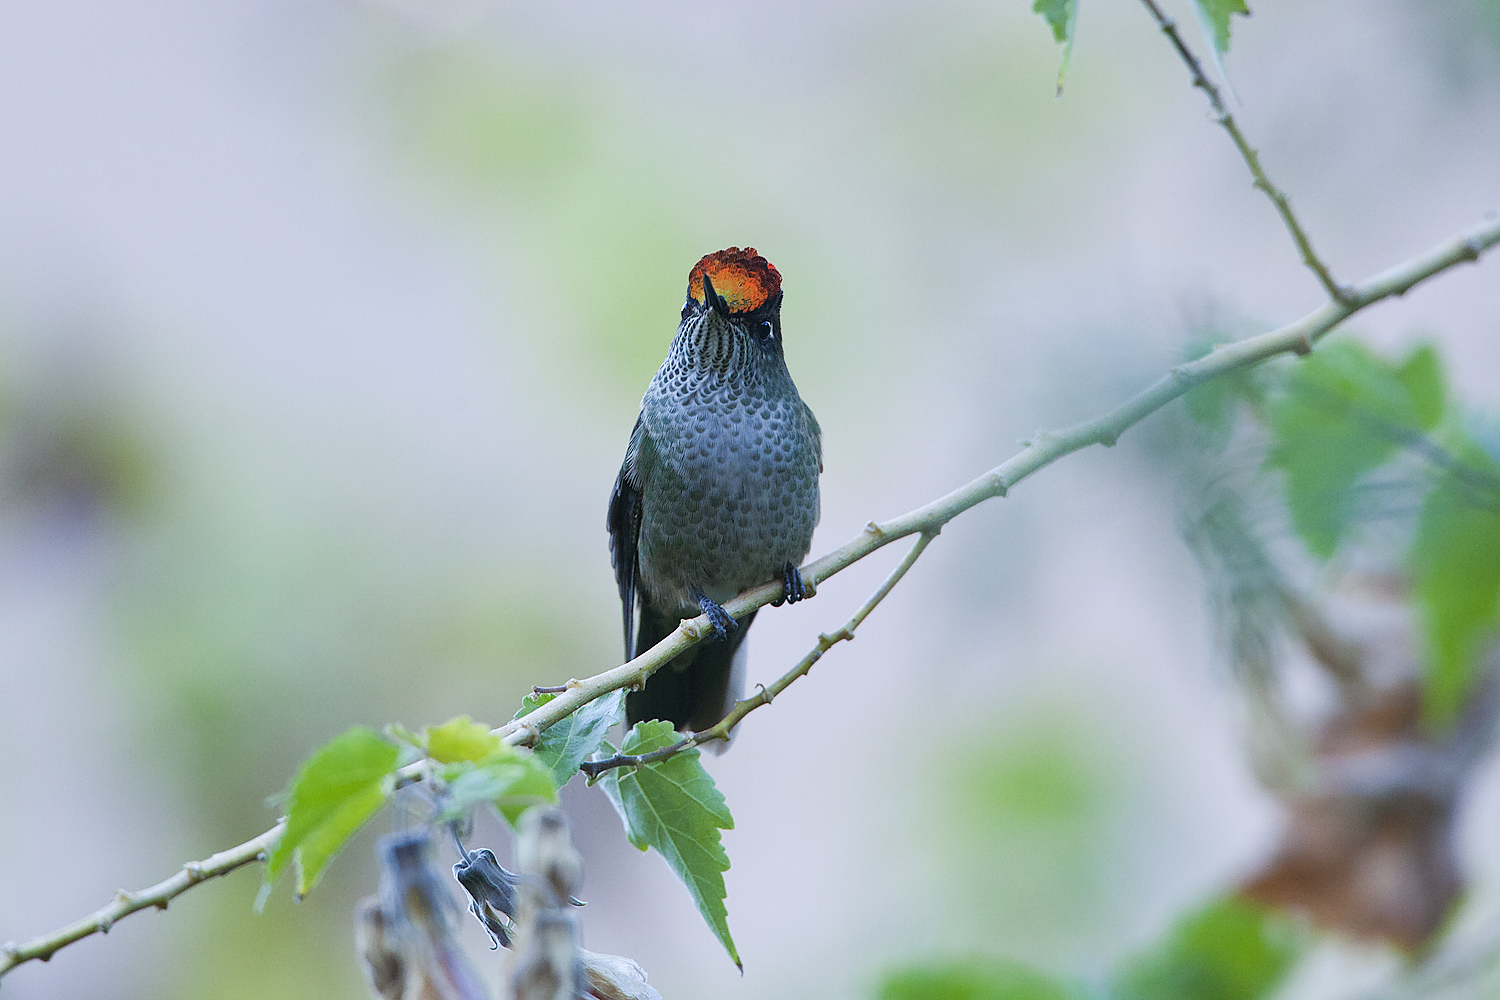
[(733, 495)]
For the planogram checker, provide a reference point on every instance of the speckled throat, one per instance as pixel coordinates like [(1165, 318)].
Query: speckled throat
[(731, 487)]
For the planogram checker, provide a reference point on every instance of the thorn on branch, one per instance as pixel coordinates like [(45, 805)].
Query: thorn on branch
[(1180, 374), (594, 768)]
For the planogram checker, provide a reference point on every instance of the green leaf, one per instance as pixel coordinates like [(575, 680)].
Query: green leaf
[(1455, 561), (1230, 949), (460, 739), (566, 744), (336, 790), (1216, 14), (511, 778), (972, 979), (1342, 413), (673, 806), (1058, 14), (1062, 17), (1212, 405), (1422, 376)]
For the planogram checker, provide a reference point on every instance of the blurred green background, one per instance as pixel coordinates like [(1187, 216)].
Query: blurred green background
[(322, 328)]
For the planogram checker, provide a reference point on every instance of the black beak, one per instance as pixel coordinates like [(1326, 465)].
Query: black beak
[(714, 299)]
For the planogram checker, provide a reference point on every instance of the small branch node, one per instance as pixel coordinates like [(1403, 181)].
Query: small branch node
[(1302, 346), (765, 694), (1042, 439), (871, 528), (555, 689)]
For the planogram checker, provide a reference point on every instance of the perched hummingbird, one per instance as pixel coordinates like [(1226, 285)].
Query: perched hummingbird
[(719, 489)]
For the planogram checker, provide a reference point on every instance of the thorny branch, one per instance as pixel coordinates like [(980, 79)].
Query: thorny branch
[(1283, 204), (126, 903), (1044, 449), (826, 641)]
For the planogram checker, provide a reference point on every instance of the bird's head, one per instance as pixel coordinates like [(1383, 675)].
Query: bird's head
[(736, 290)]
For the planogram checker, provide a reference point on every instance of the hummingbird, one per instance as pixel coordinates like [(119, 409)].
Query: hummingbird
[(718, 491)]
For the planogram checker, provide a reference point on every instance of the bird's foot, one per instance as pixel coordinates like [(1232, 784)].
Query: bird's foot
[(723, 624), (792, 588)]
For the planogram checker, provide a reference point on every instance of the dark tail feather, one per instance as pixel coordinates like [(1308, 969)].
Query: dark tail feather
[(695, 690)]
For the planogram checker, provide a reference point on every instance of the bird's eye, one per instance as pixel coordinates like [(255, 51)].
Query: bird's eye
[(770, 330)]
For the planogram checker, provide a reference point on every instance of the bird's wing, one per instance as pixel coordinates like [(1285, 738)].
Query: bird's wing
[(817, 433), (624, 523)]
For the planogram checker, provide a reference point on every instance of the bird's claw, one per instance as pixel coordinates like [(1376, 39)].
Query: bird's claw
[(722, 623), (792, 588)]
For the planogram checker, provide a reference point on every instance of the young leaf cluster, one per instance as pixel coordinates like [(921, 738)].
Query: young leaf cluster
[(350, 778), (671, 805)]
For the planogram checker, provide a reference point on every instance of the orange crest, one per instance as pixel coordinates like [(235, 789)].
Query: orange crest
[(744, 278)]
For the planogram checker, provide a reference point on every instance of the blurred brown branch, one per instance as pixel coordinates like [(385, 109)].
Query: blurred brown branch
[(1370, 793), (1368, 849)]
